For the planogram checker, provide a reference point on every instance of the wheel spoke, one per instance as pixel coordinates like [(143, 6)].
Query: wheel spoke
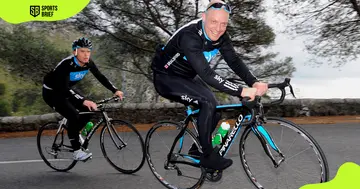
[(129, 159), (309, 160), (59, 158), (179, 175)]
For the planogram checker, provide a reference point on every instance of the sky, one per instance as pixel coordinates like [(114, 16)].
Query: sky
[(308, 81)]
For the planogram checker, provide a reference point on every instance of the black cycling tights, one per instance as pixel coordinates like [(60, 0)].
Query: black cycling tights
[(70, 110), (192, 92)]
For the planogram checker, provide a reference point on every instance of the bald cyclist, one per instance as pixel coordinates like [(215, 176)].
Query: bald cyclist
[(178, 65)]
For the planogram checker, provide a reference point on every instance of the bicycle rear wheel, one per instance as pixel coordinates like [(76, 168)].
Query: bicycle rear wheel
[(54, 147), (122, 146), (158, 143), (304, 161)]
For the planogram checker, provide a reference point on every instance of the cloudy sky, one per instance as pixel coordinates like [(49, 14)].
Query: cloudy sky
[(310, 81)]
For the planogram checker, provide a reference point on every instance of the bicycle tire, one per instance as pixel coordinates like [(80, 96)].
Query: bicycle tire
[(324, 173), (125, 127), (53, 126), (160, 178)]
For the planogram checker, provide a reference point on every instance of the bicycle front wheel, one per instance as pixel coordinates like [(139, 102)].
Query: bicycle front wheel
[(54, 147), (303, 161), (122, 146), (181, 172)]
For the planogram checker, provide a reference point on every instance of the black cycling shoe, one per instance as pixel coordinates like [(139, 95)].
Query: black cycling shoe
[(215, 161), (194, 151)]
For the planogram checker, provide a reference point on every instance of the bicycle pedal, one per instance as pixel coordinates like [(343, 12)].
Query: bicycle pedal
[(214, 176), (211, 171)]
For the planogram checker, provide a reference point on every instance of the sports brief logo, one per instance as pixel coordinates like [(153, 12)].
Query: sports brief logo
[(34, 10), (45, 10)]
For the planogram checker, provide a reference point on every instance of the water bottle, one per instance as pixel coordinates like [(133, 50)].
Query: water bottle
[(87, 128), (220, 134)]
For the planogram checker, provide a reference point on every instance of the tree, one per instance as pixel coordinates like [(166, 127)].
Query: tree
[(332, 27), (131, 30), (28, 53)]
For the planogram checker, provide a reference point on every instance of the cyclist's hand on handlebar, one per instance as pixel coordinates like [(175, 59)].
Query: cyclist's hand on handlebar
[(90, 105), (261, 88), (120, 94), (249, 92)]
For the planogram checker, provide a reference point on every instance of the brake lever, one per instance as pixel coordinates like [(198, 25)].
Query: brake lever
[(291, 90)]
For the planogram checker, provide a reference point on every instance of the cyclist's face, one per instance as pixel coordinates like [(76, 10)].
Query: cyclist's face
[(215, 23), (83, 54)]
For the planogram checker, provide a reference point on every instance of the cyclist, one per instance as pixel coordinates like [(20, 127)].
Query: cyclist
[(59, 96), (187, 54)]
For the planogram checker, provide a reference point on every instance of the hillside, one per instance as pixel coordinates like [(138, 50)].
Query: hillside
[(23, 95)]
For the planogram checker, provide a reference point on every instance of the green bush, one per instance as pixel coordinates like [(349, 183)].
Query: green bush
[(4, 108), (29, 101), (2, 89)]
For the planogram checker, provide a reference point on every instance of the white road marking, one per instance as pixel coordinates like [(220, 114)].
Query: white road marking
[(32, 161)]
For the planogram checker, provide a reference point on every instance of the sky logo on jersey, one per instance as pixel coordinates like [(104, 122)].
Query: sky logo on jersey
[(208, 54), (186, 98), (76, 76), (219, 79)]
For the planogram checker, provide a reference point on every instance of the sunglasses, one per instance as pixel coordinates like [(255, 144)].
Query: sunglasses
[(220, 6)]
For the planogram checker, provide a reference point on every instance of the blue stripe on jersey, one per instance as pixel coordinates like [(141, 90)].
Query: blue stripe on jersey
[(76, 62), (208, 54)]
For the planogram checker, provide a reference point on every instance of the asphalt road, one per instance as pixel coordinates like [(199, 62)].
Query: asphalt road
[(22, 167)]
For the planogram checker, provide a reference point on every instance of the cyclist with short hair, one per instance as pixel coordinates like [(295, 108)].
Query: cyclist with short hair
[(57, 92), (186, 55)]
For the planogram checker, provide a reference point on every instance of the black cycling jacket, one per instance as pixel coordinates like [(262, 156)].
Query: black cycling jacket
[(67, 73), (189, 51)]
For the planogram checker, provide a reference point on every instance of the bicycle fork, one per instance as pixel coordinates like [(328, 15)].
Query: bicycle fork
[(265, 140), (115, 137)]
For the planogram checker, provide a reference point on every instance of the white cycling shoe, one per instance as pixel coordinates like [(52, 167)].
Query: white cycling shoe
[(81, 155)]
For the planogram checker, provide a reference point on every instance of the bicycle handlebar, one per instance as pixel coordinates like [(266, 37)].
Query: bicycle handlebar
[(256, 102), (114, 98), (100, 105), (282, 87), (102, 102)]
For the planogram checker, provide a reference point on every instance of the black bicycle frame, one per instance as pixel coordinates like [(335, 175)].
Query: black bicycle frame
[(105, 119)]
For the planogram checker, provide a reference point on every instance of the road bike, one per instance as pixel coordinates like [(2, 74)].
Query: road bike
[(121, 143), (274, 152)]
